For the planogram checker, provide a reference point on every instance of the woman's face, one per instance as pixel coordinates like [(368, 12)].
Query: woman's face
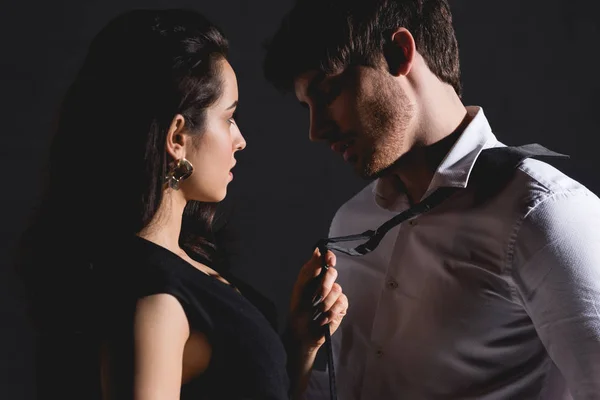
[(212, 152)]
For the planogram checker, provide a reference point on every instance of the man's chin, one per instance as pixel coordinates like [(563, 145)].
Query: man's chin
[(365, 172), (371, 172)]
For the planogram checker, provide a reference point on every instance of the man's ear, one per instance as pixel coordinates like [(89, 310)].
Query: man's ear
[(399, 52), (176, 138)]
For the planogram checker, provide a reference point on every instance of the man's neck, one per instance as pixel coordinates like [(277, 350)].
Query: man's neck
[(416, 168)]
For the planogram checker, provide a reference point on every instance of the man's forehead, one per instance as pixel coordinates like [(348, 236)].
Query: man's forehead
[(304, 82)]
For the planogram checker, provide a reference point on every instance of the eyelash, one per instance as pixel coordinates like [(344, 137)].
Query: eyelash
[(232, 119)]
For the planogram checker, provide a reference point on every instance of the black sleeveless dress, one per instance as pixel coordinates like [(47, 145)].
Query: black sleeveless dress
[(248, 358)]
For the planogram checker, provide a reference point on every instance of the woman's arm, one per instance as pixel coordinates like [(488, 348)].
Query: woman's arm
[(300, 362), (161, 331)]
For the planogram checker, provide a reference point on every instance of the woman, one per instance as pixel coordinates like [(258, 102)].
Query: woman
[(119, 289)]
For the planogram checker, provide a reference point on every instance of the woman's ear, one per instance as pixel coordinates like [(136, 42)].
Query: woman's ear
[(176, 138)]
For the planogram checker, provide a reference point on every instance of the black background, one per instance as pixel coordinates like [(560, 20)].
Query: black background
[(532, 65)]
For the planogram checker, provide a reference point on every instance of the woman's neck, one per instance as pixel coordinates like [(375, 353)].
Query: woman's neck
[(165, 228)]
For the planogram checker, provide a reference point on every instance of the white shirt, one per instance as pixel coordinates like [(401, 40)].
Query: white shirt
[(497, 301)]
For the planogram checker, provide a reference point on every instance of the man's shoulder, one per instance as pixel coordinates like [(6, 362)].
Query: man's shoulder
[(352, 211), (538, 180), (541, 195), (557, 217), (363, 198)]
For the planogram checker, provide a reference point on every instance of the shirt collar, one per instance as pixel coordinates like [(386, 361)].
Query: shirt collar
[(455, 168)]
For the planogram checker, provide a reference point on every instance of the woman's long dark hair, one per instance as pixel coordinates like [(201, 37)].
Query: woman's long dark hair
[(108, 158)]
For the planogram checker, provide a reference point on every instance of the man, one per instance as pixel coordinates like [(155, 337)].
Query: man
[(473, 300)]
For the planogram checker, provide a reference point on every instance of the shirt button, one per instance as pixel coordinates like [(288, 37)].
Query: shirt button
[(413, 222), (392, 284), (379, 353)]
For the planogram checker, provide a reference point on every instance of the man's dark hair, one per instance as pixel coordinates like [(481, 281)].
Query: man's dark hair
[(332, 35)]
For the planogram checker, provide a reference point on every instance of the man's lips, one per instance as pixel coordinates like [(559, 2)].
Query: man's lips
[(341, 146), (345, 147)]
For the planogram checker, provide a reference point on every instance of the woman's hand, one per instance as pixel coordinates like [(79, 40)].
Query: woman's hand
[(314, 304)]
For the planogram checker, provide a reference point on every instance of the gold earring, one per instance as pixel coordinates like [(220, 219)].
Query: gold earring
[(178, 172)]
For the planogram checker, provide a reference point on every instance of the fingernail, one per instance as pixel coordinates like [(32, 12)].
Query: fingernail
[(317, 300), (316, 315)]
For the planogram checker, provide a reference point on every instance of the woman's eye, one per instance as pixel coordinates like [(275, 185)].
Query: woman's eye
[(232, 119)]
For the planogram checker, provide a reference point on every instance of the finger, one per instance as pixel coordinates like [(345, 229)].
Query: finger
[(310, 279), (312, 268), (325, 286), (337, 311), (306, 285), (331, 298), (330, 258)]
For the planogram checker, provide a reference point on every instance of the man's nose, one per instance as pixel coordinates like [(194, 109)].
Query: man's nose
[(320, 125)]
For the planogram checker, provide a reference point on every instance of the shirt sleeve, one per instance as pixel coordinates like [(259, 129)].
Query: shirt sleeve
[(556, 271)]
